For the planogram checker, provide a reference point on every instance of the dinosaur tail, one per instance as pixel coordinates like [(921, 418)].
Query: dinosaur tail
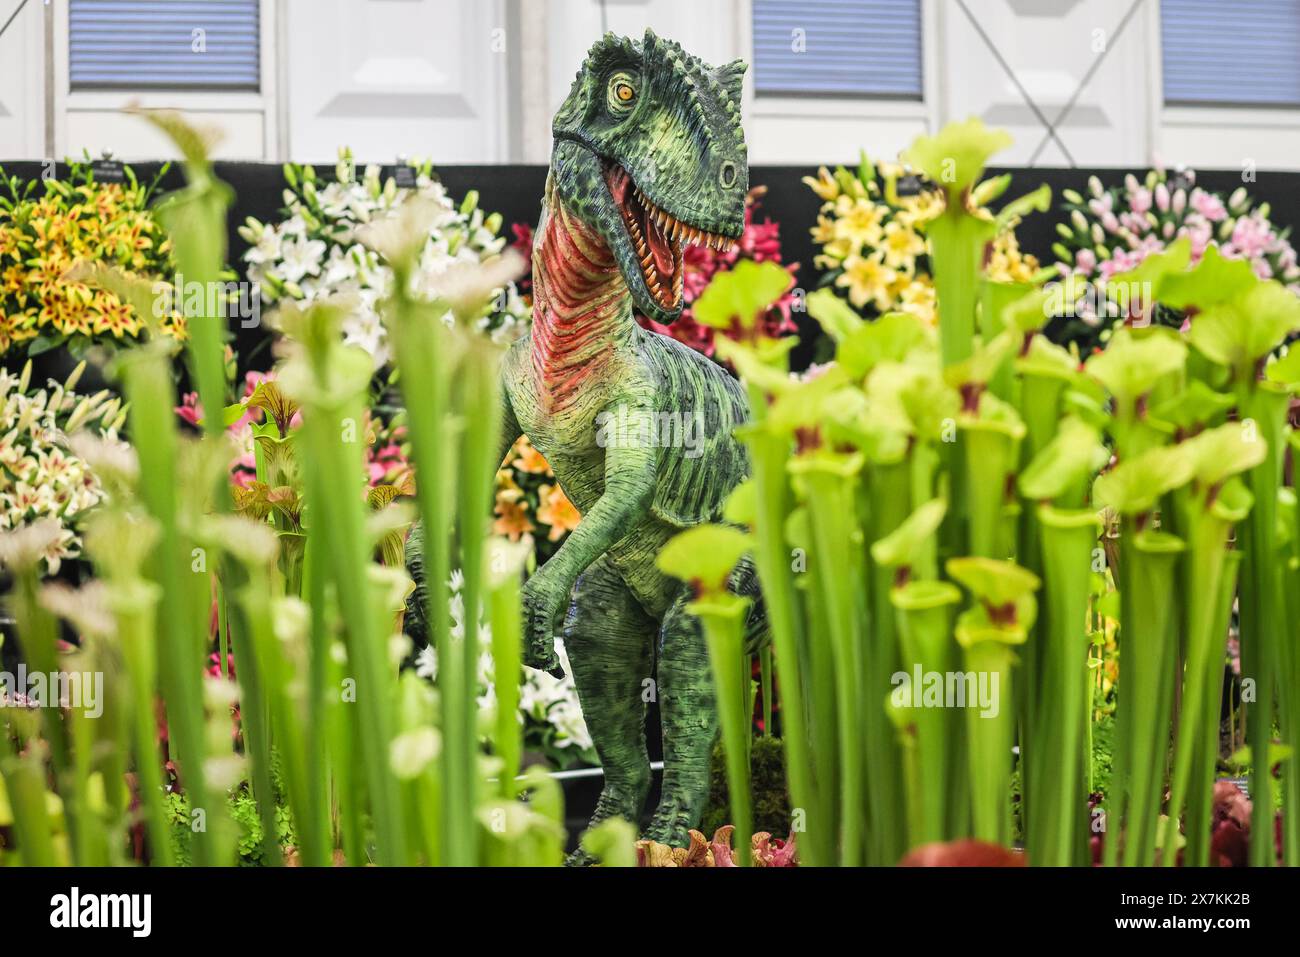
[(415, 624), (744, 582)]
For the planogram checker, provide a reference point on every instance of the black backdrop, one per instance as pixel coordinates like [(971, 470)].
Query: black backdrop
[(516, 192)]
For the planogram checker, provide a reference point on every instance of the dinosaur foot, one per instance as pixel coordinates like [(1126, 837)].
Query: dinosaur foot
[(673, 820), (614, 801)]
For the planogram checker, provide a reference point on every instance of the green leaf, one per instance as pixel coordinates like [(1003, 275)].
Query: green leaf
[(984, 362), (901, 545), (837, 318), (741, 506), (956, 156), (1136, 485), (1214, 280), (995, 415), (739, 296), (922, 594), (911, 400), (1155, 268), (704, 555), (1131, 366), (1040, 200), (1029, 312), (1073, 454), (764, 365), (1045, 358), (1239, 332), (1286, 370), (1195, 406), (851, 420), (1220, 453), (894, 337), (232, 414), (801, 404), (996, 581)]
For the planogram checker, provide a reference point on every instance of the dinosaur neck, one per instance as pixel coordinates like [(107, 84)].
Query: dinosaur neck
[(582, 308)]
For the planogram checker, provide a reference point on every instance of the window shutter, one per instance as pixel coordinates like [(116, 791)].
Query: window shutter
[(151, 44), (1243, 53), (846, 48)]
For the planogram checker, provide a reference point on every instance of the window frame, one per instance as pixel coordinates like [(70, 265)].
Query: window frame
[(1263, 126), (1255, 112), (842, 105), (264, 102)]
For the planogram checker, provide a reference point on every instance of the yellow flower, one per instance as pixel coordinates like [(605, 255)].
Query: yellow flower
[(918, 298), (824, 231), (557, 511), (42, 237), (868, 280), (115, 317), (824, 185), (902, 245), (12, 279), (859, 222), (918, 209), (1007, 263)]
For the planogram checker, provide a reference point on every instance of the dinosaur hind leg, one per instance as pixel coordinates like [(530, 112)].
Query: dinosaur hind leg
[(690, 724), (609, 639)]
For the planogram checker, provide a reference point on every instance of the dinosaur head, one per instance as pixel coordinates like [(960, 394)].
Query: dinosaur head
[(650, 153)]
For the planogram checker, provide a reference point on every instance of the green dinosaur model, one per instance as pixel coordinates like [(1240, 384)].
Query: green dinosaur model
[(649, 155)]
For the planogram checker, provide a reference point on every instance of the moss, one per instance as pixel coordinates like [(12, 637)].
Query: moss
[(767, 781)]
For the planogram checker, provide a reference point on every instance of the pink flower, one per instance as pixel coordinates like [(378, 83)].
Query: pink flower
[(1208, 205), (1162, 197), (189, 409), (1085, 262), (1250, 237), (1140, 201), (1198, 231), (1102, 205)]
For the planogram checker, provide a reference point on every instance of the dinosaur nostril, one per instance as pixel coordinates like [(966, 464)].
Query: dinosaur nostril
[(727, 174)]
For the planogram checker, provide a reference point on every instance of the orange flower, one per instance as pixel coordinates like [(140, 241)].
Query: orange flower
[(529, 459), (512, 519), (556, 511)]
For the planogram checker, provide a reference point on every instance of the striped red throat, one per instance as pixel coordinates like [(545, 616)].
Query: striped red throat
[(581, 307)]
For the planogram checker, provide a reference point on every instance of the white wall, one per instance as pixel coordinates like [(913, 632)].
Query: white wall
[(470, 81)]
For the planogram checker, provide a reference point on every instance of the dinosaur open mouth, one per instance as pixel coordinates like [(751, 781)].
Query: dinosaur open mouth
[(658, 237)]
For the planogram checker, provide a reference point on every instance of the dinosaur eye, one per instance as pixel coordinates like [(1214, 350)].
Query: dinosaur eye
[(622, 94)]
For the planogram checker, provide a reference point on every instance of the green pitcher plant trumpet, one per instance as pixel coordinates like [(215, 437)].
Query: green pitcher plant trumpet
[(937, 507)]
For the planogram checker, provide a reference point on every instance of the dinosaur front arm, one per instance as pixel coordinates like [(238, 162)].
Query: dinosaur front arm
[(510, 430), (631, 473), (630, 477)]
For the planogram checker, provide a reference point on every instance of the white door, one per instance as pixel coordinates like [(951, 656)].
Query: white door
[(389, 77), (22, 80)]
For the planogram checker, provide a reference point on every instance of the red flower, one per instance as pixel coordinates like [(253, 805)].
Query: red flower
[(964, 853)]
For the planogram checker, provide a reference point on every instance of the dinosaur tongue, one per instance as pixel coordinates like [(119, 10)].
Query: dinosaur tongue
[(657, 252), (665, 258)]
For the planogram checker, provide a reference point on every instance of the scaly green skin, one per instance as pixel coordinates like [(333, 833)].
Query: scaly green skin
[(637, 427)]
